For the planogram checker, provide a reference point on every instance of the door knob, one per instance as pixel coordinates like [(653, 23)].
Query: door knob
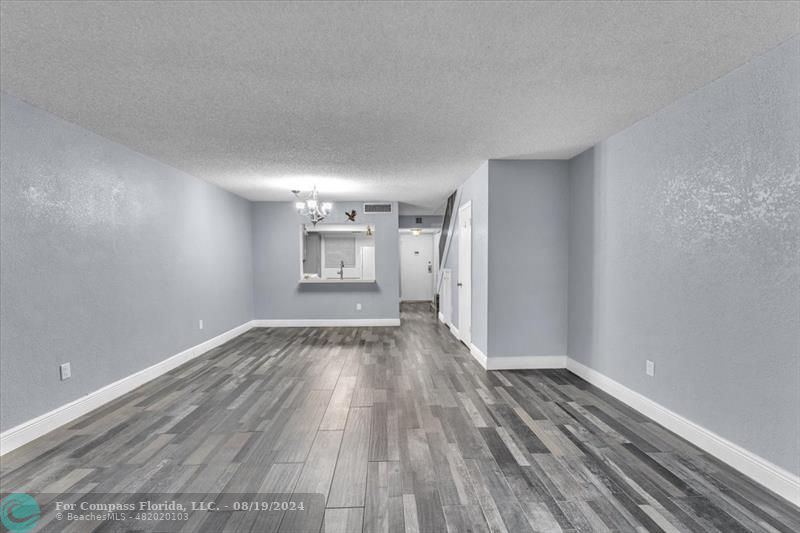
[(460, 284)]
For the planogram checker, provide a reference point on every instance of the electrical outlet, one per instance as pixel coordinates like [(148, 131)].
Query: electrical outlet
[(358, 307), (650, 368), (65, 371), (200, 324)]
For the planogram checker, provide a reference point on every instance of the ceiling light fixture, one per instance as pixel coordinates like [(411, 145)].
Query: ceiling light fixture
[(310, 206)]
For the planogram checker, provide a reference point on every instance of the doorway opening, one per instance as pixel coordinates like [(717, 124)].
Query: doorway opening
[(418, 265)]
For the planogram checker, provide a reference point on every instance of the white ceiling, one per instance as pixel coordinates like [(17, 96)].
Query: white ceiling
[(384, 101)]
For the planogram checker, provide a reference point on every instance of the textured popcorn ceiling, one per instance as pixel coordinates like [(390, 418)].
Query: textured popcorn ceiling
[(390, 101)]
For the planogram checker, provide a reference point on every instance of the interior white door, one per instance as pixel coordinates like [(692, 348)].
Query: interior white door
[(416, 267), (465, 272)]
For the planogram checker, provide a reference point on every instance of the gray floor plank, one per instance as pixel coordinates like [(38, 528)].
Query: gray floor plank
[(350, 477), (397, 430)]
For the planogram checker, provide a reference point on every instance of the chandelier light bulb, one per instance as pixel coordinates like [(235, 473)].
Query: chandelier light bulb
[(311, 207)]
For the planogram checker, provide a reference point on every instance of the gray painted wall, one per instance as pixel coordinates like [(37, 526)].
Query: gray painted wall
[(684, 250), (476, 190), (276, 256), (428, 221), (519, 257), (582, 236), (109, 260), (528, 236)]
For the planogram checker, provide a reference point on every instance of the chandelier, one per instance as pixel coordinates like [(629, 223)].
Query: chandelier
[(310, 206)]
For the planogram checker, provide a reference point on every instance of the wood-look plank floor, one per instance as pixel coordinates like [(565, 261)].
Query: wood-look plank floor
[(400, 430)]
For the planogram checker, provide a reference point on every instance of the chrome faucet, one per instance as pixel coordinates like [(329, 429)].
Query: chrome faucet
[(341, 270)]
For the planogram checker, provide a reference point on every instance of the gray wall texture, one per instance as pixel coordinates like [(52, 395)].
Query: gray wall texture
[(684, 250), (476, 190), (519, 257), (109, 260), (276, 256), (528, 236)]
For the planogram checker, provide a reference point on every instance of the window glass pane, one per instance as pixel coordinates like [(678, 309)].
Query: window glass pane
[(340, 248)]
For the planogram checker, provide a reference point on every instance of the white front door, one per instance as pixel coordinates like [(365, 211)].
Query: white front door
[(416, 267), (465, 272)]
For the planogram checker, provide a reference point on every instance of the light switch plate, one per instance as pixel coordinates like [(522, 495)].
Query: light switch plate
[(650, 368), (65, 371), (358, 307), (200, 323)]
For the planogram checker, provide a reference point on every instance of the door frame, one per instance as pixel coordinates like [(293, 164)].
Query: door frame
[(464, 282)]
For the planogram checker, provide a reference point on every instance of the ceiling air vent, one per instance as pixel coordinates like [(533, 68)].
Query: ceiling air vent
[(377, 208)]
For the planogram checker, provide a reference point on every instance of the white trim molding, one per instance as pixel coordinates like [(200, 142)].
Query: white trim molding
[(477, 354), (26, 432), (526, 362), (454, 331), (441, 317), (773, 477), (325, 322)]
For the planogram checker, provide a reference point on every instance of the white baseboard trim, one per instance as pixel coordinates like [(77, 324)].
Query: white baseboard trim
[(325, 323), (474, 350), (26, 432), (773, 477), (454, 331), (526, 362), (478, 355), (441, 318)]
